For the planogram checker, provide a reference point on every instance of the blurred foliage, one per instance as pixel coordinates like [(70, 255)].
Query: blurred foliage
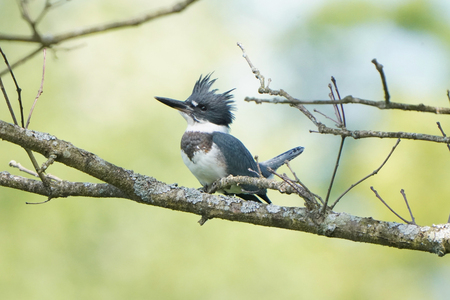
[(99, 96)]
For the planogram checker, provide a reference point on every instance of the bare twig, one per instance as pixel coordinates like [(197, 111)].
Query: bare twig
[(21, 168), (40, 91), (355, 100), (41, 174), (47, 7), (329, 118), (310, 199), (49, 40), (259, 173), (301, 183), (8, 103), (341, 112), (176, 8), (26, 16), (371, 174), (51, 159), (333, 176), (359, 134), (379, 197), (443, 133), (335, 107), (203, 220), (266, 90), (255, 71), (23, 60), (402, 191), (41, 202), (18, 89), (383, 79)]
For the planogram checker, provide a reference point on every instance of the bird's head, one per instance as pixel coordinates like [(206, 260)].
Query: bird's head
[(204, 106)]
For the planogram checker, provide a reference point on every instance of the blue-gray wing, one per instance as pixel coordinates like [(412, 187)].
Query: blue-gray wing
[(239, 162), (237, 158)]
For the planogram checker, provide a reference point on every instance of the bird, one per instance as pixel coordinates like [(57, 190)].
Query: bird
[(210, 151)]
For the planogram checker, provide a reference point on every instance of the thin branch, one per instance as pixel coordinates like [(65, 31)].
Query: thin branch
[(370, 175), (337, 113), (26, 16), (255, 70), (333, 80), (259, 173), (42, 202), (49, 40), (341, 147), (310, 201), (359, 134), (40, 91), (47, 7), (355, 100), (301, 183), (22, 60), (263, 89), (402, 191), (338, 110), (5, 94), (178, 7), (40, 173), (51, 159), (329, 118), (18, 89), (379, 68), (381, 199), (8, 103), (21, 168), (443, 133)]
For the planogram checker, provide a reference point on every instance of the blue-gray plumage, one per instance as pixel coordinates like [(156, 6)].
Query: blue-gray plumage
[(278, 161), (207, 148)]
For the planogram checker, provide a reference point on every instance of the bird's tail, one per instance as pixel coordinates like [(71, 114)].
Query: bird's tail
[(278, 161)]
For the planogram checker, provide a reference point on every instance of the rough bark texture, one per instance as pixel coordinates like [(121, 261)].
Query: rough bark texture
[(124, 183)]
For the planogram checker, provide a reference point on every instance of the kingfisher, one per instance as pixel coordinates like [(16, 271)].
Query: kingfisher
[(210, 151)]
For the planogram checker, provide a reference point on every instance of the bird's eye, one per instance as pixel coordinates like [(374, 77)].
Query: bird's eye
[(202, 107)]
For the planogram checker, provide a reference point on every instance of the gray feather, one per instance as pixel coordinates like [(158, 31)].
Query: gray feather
[(278, 161)]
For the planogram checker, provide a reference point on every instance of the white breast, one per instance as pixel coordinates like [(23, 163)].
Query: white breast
[(206, 166)]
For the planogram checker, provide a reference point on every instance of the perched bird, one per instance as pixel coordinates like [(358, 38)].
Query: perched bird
[(207, 148)]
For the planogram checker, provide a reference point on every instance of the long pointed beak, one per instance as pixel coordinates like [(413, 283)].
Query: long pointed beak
[(178, 105)]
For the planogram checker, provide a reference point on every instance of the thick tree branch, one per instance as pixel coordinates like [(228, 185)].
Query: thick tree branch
[(150, 191)]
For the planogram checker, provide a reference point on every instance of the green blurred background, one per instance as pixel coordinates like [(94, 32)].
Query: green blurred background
[(98, 94)]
